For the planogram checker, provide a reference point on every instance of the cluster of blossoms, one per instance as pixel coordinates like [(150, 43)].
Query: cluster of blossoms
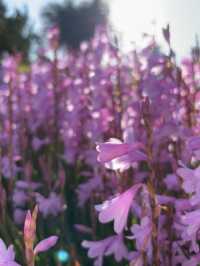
[(119, 132)]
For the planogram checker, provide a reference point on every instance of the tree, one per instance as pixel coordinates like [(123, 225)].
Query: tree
[(76, 24), (15, 35)]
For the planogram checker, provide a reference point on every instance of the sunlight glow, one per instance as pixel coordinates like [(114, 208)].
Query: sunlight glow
[(130, 19)]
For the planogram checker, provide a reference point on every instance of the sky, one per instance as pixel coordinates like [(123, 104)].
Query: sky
[(34, 8), (183, 16)]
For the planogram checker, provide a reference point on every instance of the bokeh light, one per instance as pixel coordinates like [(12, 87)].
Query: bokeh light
[(62, 256)]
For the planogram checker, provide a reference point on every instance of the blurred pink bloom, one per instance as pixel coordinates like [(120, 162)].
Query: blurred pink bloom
[(53, 37), (19, 216), (85, 190), (83, 229), (49, 206), (6, 167), (142, 233), (29, 185), (19, 198), (45, 244), (38, 143), (7, 256)]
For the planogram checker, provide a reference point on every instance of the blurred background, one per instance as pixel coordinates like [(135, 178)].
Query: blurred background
[(55, 145), (23, 22)]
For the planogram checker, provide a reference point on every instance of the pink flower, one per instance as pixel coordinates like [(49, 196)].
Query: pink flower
[(114, 148), (118, 155), (45, 244), (118, 208), (7, 256)]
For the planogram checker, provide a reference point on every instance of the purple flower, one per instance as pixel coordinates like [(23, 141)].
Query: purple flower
[(142, 233), (124, 162), (118, 249), (85, 190), (191, 220), (172, 182), (97, 249), (7, 256), (193, 143), (19, 216), (8, 169), (49, 206), (113, 245), (118, 155), (27, 185), (38, 143), (136, 259), (112, 149), (117, 209), (182, 205), (193, 146), (45, 244), (191, 183), (179, 257), (194, 261), (19, 198)]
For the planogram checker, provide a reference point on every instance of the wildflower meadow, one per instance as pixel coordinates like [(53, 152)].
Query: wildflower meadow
[(100, 155)]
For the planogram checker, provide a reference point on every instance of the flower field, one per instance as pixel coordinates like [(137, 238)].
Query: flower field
[(99, 156)]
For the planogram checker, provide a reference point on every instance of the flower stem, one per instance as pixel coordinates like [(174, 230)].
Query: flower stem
[(152, 182)]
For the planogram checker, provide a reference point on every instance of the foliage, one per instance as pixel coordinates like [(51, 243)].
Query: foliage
[(76, 23), (15, 34)]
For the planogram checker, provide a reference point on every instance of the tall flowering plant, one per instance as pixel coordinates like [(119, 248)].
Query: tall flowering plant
[(30, 236)]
